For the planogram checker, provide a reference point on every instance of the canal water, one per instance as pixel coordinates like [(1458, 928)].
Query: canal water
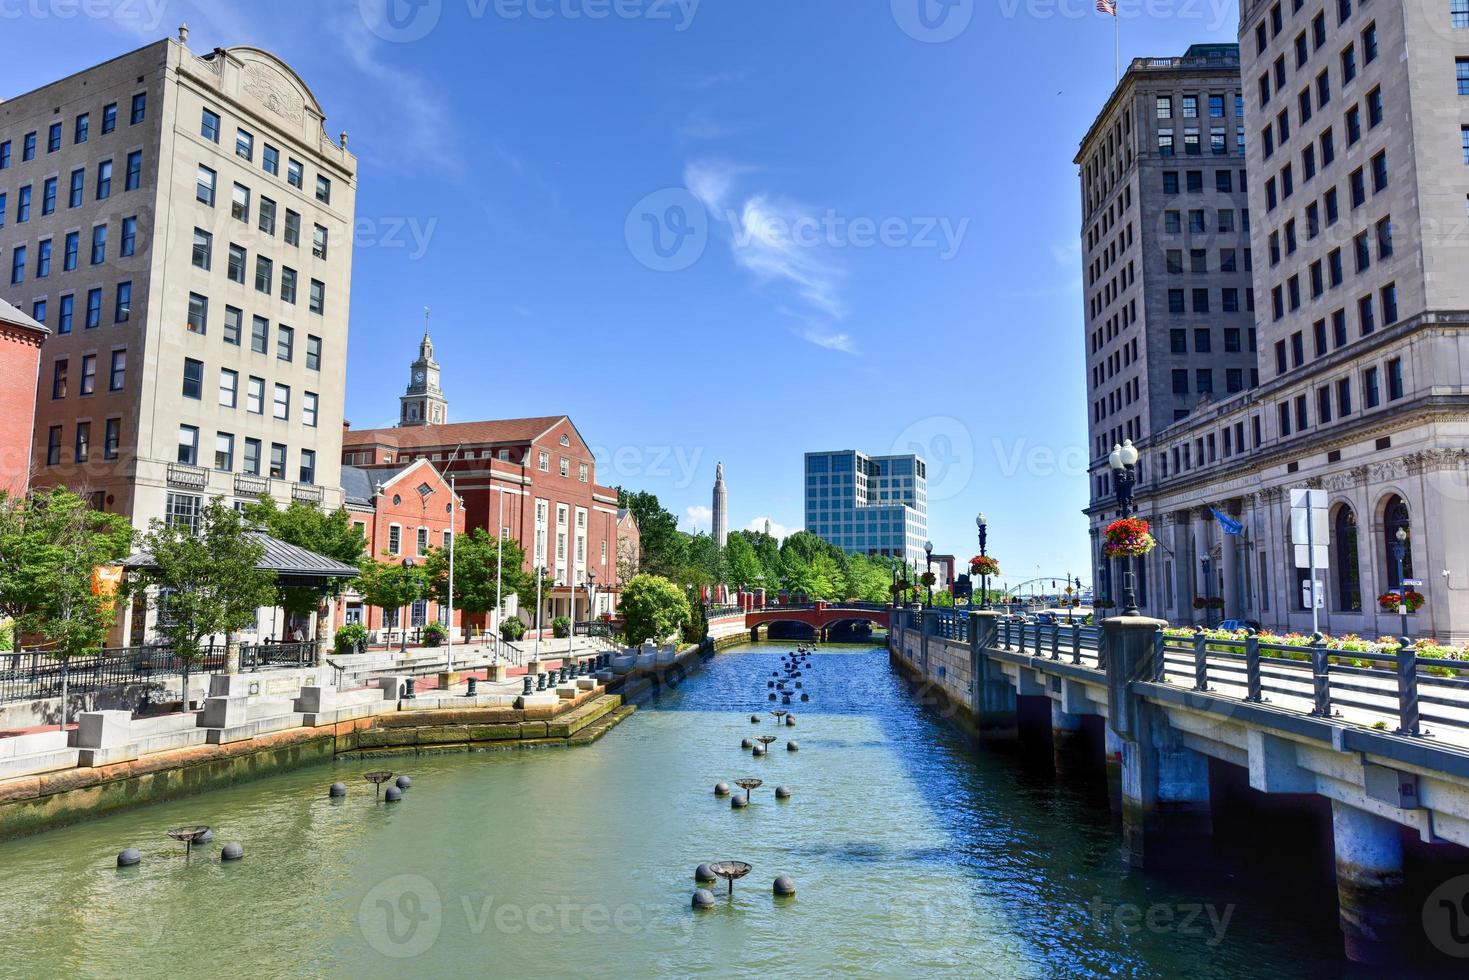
[(914, 854)]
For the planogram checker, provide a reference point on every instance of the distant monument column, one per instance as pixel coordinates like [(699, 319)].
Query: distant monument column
[(721, 507)]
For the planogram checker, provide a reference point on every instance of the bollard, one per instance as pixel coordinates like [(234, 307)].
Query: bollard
[(530, 686), (1407, 657), (1320, 680), (408, 689), (1201, 662), (540, 681), (471, 688), (1253, 684), (1076, 643)]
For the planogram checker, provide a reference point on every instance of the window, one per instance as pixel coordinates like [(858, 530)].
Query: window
[(1344, 397), (270, 160), (259, 334), (109, 118), (236, 268), (1297, 349), (1282, 412), (139, 108), (1234, 380), (1173, 261), (1180, 382), (1175, 301), (277, 461), (281, 405), (395, 539), (53, 445), (1459, 14), (313, 353), (94, 308), (308, 469), (1371, 395), (1323, 89), (1464, 141), (240, 203), (318, 241), (224, 451), (1348, 64), (1165, 142), (1323, 405), (123, 304), (66, 314), (1204, 381), (89, 374), (48, 196), (43, 259), (28, 148), (1363, 252), (292, 232), (134, 177), (1173, 222), (233, 317), (1358, 187), (1389, 297), (229, 387), (1328, 149), (118, 371), (18, 265), (188, 453), (1227, 260), (255, 396), (193, 378), (1333, 212), (53, 138), (83, 442), (99, 244), (1164, 104), (1369, 44), (5, 155), (1374, 108), (1201, 340), (1379, 171), (285, 342), (244, 145), (209, 125), (38, 311), (203, 255), (128, 245), (318, 290), (1365, 320), (76, 188), (110, 438), (1195, 181), (104, 180), (294, 172), (264, 274), (288, 285), (543, 462), (1224, 181), (1178, 341), (309, 405), (267, 215), (204, 186), (251, 461), (1302, 418), (323, 189), (198, 318)]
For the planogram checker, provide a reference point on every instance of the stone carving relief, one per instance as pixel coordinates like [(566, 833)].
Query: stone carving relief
[(273, 90), (1393, 469)]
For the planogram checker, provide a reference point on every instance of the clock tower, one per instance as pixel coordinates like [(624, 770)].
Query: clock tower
[(423, 403)]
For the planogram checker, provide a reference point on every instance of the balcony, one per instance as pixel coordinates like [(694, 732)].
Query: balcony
[(184, 475), (251, 486), (307, 492)]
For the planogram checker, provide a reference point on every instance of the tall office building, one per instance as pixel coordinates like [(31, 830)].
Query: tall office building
[(1166, 252), (720, 523), (183, 226), (1358, 118), (870, 505)]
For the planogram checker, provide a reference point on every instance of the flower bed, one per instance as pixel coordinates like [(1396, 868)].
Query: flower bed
[(1341, 648)]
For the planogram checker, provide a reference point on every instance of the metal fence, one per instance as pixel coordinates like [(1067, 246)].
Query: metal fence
[(259, 656), (36, 676)]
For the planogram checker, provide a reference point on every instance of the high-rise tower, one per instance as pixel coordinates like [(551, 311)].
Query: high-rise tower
[(721, 507)]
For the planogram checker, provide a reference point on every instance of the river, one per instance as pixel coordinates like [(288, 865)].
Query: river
[(913, 853)]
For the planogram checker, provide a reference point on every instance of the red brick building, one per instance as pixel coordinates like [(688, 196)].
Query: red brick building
[(20, 356), (536, 479), (403, 511)]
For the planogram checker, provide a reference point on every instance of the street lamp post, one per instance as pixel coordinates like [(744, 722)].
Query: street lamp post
[(1123, 461), (928, 557), (591, 599), (453, 514), (540, 576), (984, 580), (1399, 552), (408, 565)]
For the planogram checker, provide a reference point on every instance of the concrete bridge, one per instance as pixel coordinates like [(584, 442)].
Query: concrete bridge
[(820, 616), (1157, 710)]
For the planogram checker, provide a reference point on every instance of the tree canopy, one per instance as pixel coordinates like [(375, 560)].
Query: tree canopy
[(652, 608), (329, 533)]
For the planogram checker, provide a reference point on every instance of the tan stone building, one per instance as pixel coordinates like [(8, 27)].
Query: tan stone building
[(1358, 156), (182, 224)]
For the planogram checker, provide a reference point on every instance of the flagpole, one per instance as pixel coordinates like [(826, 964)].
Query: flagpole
[(1116, 63)]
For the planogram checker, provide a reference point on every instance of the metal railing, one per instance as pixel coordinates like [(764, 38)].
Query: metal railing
[(36, 676), (716, 611), (257, 656)]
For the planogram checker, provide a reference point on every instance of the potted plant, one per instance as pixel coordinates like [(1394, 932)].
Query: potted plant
[(1129, 537), (511, 629), (351, 638), (434, 633), (1389, 601), (928, 579), (561, 627)]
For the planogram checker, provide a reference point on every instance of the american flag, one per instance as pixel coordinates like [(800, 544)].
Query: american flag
[(1107, 7)]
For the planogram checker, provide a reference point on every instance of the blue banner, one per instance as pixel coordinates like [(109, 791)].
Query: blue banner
[(1229, 524)]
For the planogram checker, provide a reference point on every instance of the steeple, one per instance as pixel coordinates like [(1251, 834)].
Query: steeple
[(423, 403)]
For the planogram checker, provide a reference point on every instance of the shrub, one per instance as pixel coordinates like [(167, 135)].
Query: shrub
[(561, 627), (434, 633), (511, 629), (349, 637)]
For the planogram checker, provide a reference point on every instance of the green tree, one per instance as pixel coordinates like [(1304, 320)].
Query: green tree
[(652, 608), (477, 558), (741, 562), (388, 585), (205, 580), (328, 533), (663, 546)]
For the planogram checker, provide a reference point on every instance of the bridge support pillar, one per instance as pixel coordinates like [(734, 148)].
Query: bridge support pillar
[(1369, 884), (1113, 752), (754, 634), (1166, 819), (1068, 742), (992, 696)]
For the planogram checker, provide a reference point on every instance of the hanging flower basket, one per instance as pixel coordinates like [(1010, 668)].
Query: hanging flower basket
[(1130, 537), (928, 578), (1389, 601), (984, 565)]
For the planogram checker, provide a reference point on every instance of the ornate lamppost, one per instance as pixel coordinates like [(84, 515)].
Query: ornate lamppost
[(1123, 461), (408, 565), (928, 570), (984, 580), (1399, 552)]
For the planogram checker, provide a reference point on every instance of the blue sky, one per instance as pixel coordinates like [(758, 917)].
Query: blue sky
[(714, 230)]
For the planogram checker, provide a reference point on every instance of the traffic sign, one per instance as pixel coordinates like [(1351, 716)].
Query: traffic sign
[(1412, 582)]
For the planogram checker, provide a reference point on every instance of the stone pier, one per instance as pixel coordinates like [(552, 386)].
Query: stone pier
[(1369, 884)]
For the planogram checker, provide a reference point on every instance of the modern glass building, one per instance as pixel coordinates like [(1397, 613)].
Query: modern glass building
[(871, 505)]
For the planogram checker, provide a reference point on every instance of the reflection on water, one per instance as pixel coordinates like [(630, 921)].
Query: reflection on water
[(913, 854)]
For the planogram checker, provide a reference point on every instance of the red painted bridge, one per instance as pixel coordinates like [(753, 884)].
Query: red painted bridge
[(820, 616)]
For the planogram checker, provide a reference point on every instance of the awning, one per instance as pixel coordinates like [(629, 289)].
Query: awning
[(294, 566)]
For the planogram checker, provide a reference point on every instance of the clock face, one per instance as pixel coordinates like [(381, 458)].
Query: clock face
[(418, 376)]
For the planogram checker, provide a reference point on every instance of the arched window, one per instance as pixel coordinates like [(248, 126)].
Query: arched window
[(1398, 554), (1344, 544)]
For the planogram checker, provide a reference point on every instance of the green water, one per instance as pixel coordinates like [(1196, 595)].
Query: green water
[(914, 855)]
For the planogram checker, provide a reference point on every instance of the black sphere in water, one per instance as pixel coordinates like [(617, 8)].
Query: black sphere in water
[(782, 792), (128, 856), (720, 789), (784, 885), (393, 795), (703, 899), (805, 696), (771, 696), (338, 789), (791, 720), (745, 743), (703, 873), (758, 750), (793, 747), (738, 801), (770, 683), (205, 837), (403, 782), (232, 851)]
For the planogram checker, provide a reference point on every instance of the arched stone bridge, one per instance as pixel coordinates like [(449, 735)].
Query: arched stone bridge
[(820, 616)]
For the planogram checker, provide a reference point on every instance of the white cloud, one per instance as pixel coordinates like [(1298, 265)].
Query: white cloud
[(833, 341), (700, 518), (778, 531)]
